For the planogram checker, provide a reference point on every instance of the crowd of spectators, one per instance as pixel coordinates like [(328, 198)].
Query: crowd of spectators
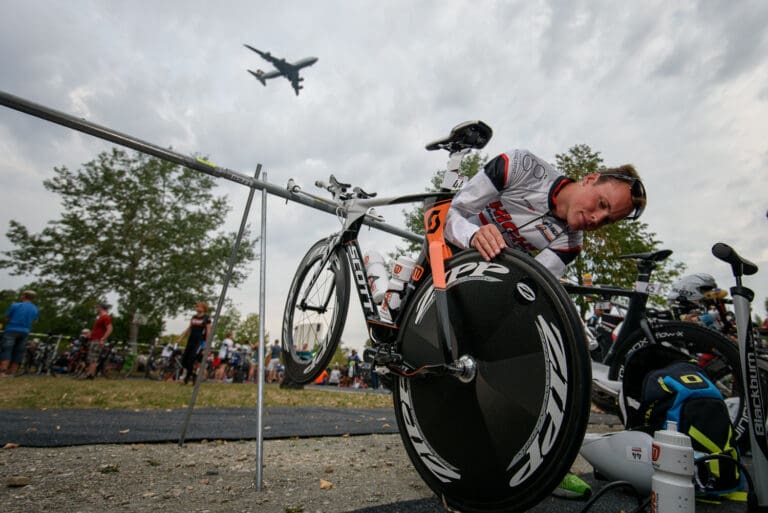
[(86, 355)]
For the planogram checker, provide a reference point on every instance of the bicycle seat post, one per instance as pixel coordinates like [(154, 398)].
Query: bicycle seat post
[(453, 179)]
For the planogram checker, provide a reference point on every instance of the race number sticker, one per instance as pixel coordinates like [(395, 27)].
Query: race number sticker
[(638, 454)]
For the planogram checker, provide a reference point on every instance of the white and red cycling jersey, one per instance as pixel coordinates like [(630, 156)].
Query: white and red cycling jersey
[(516, 191)]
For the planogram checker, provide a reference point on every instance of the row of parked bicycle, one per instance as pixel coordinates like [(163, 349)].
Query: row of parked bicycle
[(50, 354), (698, 325)]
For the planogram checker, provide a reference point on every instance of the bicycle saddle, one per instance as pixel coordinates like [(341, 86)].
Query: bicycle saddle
[(739, 264), (470, 134), (651, 256)]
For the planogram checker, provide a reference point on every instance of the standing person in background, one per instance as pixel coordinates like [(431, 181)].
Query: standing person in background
[(100, 332), (198, 332), (18, 323), (255, 363), (353, 360), (335, 377), (225, 353), (274, 361)]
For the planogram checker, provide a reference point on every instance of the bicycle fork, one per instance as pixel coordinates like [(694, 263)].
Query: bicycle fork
[(463, 367)]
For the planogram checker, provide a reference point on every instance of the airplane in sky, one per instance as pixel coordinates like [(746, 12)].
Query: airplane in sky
[(284, 68)]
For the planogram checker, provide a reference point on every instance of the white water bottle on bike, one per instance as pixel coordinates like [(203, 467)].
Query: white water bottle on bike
[(673, 464), (401, 275), (378, 277)]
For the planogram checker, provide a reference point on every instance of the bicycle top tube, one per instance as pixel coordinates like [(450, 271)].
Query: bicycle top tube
[(363, 204), (608, 291)]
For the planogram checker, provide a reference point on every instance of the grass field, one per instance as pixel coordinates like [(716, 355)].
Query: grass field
[(142, 394)]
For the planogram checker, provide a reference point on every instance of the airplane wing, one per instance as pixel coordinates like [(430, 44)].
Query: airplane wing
[(266, 56)]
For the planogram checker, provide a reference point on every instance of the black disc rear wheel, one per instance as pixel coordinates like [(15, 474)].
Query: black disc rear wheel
[(505, 440)]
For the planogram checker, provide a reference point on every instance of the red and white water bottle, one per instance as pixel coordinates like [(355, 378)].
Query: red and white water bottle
[(378, 277), (402, 271), (672, 457)]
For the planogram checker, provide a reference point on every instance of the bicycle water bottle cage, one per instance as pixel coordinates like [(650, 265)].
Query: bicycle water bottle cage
[(467, 135)]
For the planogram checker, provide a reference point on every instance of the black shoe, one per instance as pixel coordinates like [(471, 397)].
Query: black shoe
[(90, 376)]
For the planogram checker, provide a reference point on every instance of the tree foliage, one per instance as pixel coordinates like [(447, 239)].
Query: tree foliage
[(602, 248), (133, 227), (229, 321), (248, 329), (56, 316)]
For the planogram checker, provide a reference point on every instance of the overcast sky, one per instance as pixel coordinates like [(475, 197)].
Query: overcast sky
[(680, 89)]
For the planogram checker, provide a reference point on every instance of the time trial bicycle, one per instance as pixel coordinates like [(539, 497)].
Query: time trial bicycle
[(489, 362), (756, 391), (685, 340)]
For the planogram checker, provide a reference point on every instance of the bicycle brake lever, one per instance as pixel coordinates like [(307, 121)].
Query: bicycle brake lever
[(362, 194), (342, 186)]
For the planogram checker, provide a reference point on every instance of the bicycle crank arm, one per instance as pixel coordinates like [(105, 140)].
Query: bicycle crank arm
[(464, 369)]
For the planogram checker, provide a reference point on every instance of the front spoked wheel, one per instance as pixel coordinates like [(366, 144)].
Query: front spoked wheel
[(503, 441), (315, 312)]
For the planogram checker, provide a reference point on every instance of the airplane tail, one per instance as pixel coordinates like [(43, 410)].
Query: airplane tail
[(259, 76)]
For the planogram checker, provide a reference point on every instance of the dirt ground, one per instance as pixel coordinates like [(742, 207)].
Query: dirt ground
[(213, 477)]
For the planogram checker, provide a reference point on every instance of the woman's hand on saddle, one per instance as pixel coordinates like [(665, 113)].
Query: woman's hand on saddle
[(488, 241)]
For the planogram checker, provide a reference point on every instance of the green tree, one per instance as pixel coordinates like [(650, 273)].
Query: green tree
[(248, 329), (135, 227), (414, 217), (340, 356), (601, 248), (56, 316), (229, 321)]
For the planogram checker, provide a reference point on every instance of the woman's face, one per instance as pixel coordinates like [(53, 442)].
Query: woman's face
[(199, 309)]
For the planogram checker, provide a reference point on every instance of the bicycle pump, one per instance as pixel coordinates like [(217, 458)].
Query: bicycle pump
[(742, 299)]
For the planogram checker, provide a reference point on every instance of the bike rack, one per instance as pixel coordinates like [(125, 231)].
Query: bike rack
[(203, 166)]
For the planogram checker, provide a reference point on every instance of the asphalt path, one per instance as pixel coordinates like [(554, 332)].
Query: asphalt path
[(60, 428)]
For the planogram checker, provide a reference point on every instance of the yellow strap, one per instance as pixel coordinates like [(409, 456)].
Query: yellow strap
[(736, 496), (714, 465), (703, 440)]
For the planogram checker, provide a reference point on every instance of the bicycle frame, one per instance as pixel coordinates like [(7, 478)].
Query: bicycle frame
[(742, 299), (635, 317), (355, 211)]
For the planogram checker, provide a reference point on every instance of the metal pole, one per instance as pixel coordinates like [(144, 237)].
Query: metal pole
[(219, 306), (81, 125), (262, 341)]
